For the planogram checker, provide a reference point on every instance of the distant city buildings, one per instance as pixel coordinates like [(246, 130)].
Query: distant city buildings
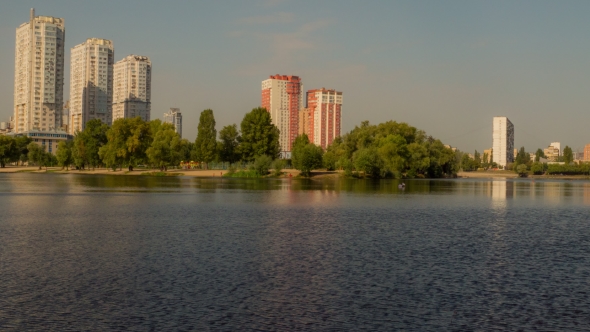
[(174, 117), (39, 74), (557, 145), (502, 140), (551, 153), (281, 96), (325, 123), (132, 88), (91, 83)]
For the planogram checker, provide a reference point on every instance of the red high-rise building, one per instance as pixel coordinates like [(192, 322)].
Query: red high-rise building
[(282, 98), (326, 122)]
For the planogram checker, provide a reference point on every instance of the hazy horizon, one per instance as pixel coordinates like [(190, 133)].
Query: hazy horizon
[(444, 67)]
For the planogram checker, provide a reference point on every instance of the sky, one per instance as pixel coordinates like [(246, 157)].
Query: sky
[(446, 67)]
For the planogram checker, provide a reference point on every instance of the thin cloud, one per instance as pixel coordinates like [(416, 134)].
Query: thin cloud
[(281, 17)]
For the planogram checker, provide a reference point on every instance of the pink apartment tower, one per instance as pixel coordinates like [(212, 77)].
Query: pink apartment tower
[(325, 121)]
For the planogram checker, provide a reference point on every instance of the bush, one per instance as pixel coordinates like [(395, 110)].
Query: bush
[(521, 170), (262, 164), (278, 166)]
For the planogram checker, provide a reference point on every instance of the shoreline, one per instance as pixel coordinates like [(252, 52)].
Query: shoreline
[(294, 173)]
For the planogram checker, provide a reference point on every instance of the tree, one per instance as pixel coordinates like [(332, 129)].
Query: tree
[(568, 155), (8, 150), (539, 154), (205, 149), (262, 164), (477, 160), (259, 135), (522, 157), (87, 144), (485, 161), (537, 168), (165, 149), (521, 170), (367, 160), (36, 154), (229, 137), (64, 154), (128, 140), (21, 144), (306, 156), (466, 163)]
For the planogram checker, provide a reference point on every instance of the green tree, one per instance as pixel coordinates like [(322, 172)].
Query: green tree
[(477, 160), (36, 154), (127, 142), (21, 144), (259, 135), (262, 164), (466, 163), (205, 149), (368, 161), (522, 157), (306, 156), (485, 161), (64, 154), (87, 144), (568, 155), (229, 137), (8, 150), (166, 148), (521, 170), (278, 165), (539, 154)]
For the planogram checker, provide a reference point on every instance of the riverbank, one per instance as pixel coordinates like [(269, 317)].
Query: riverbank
[(136, 172), (511, 175)]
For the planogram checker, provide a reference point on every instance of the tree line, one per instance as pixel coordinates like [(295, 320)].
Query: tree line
[(389, 149)]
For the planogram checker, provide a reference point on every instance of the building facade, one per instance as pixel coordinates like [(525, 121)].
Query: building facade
[(502, 141), (305, 117), (587, 152), (48, 140), (551, 153), (39, 74), (91, 83), (174, 117), (326, 107), (557, 145), (282, 98), (132, 79)]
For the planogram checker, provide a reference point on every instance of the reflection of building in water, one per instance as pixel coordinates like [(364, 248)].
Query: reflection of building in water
[(552, 191), (587, 194), (502, 190)]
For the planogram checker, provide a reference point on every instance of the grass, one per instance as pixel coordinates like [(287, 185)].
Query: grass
[(26, 170), (161, 174)]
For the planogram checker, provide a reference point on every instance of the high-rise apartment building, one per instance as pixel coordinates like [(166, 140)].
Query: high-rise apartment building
[(132, 88), (39, 74), (282, 98), (502, 140), (587, 152), (326, 107), (174, 117), (91, 83)]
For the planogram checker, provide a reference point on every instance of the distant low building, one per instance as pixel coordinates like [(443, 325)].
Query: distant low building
[(48, 140), (552, 153)]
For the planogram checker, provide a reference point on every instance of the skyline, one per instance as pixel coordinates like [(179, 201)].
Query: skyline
[(444, 68)]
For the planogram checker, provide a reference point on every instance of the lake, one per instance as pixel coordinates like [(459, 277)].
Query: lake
[(98, 253)]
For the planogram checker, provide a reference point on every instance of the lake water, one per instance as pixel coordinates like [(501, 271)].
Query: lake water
[(98, 253)]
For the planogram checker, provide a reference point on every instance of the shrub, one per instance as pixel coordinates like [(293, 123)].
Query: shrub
[(262, 164)]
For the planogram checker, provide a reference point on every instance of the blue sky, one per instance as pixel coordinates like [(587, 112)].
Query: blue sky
[(446, 67)]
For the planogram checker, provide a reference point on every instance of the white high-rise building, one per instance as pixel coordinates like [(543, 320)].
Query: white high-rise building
[(502, 141), (283, 98), (174, 117), (91, 83), (132, 88), (39, 74)]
